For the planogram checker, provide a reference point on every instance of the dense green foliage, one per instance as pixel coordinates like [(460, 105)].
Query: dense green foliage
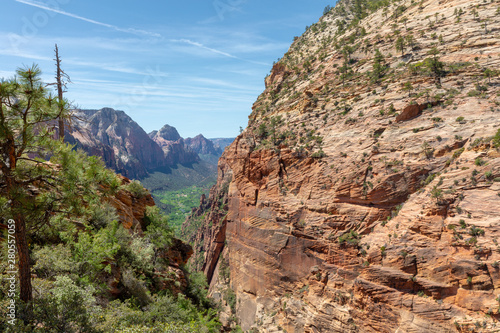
[(179, 203), (78, 250), (166, 186), (174, 192)]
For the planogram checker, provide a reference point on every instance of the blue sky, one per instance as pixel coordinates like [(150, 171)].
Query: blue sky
[(196, 65)]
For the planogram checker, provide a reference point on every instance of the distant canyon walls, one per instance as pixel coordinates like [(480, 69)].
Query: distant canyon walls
[(128, 149)]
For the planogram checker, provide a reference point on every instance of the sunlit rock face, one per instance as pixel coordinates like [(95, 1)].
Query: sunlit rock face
[(173, 146), (120, 141), (365, 202), (124, 145)]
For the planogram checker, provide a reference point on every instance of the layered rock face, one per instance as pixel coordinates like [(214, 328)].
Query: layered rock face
[(364, 196), (201, 145), (124, 146), (173, 146), (120, 141)]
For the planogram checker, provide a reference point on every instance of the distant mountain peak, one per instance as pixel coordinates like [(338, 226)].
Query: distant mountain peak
[(202, 145), (168, 133)]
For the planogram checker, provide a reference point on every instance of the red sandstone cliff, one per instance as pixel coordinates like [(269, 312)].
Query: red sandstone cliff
[(131, 212), (364, 196)]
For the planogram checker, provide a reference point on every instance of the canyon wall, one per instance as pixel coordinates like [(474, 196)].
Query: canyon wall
[(364, 195)]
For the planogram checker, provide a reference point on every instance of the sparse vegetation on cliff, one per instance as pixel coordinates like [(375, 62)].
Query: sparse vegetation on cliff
[(402, 104)]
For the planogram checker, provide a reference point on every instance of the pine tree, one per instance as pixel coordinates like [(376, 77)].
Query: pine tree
[(34, 191), (347, 50), (410, 41), (23, 111), (434, 65), (404, 20), (400, 44), (379, 66), (345, 72), (488, 73)]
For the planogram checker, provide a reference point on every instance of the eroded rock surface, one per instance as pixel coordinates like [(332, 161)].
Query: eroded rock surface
[(341, 207)]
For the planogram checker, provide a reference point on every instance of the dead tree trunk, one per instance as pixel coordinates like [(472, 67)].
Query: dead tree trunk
[(60, 76)]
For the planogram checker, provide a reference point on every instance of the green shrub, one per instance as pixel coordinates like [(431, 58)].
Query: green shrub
[(383, 250), (479, 161), (474, 231), (52, 260), (136, 288), (351, 238), (436, 193), (102, 215), (230, 298), (135, 187), (318, 154), (163, 313), (457, 153), (158, 231), (66, 308), (198, 290), (94, 253)]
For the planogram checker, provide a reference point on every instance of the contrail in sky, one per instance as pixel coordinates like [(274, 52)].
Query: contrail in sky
[(190, 42), (44, 6), (110, 26), (201, 46)]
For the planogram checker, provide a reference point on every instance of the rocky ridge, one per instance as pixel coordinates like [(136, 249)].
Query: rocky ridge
[(201, 145), (124, 146), (364, 195), (117, 139), (173, 146), (221, 143)]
